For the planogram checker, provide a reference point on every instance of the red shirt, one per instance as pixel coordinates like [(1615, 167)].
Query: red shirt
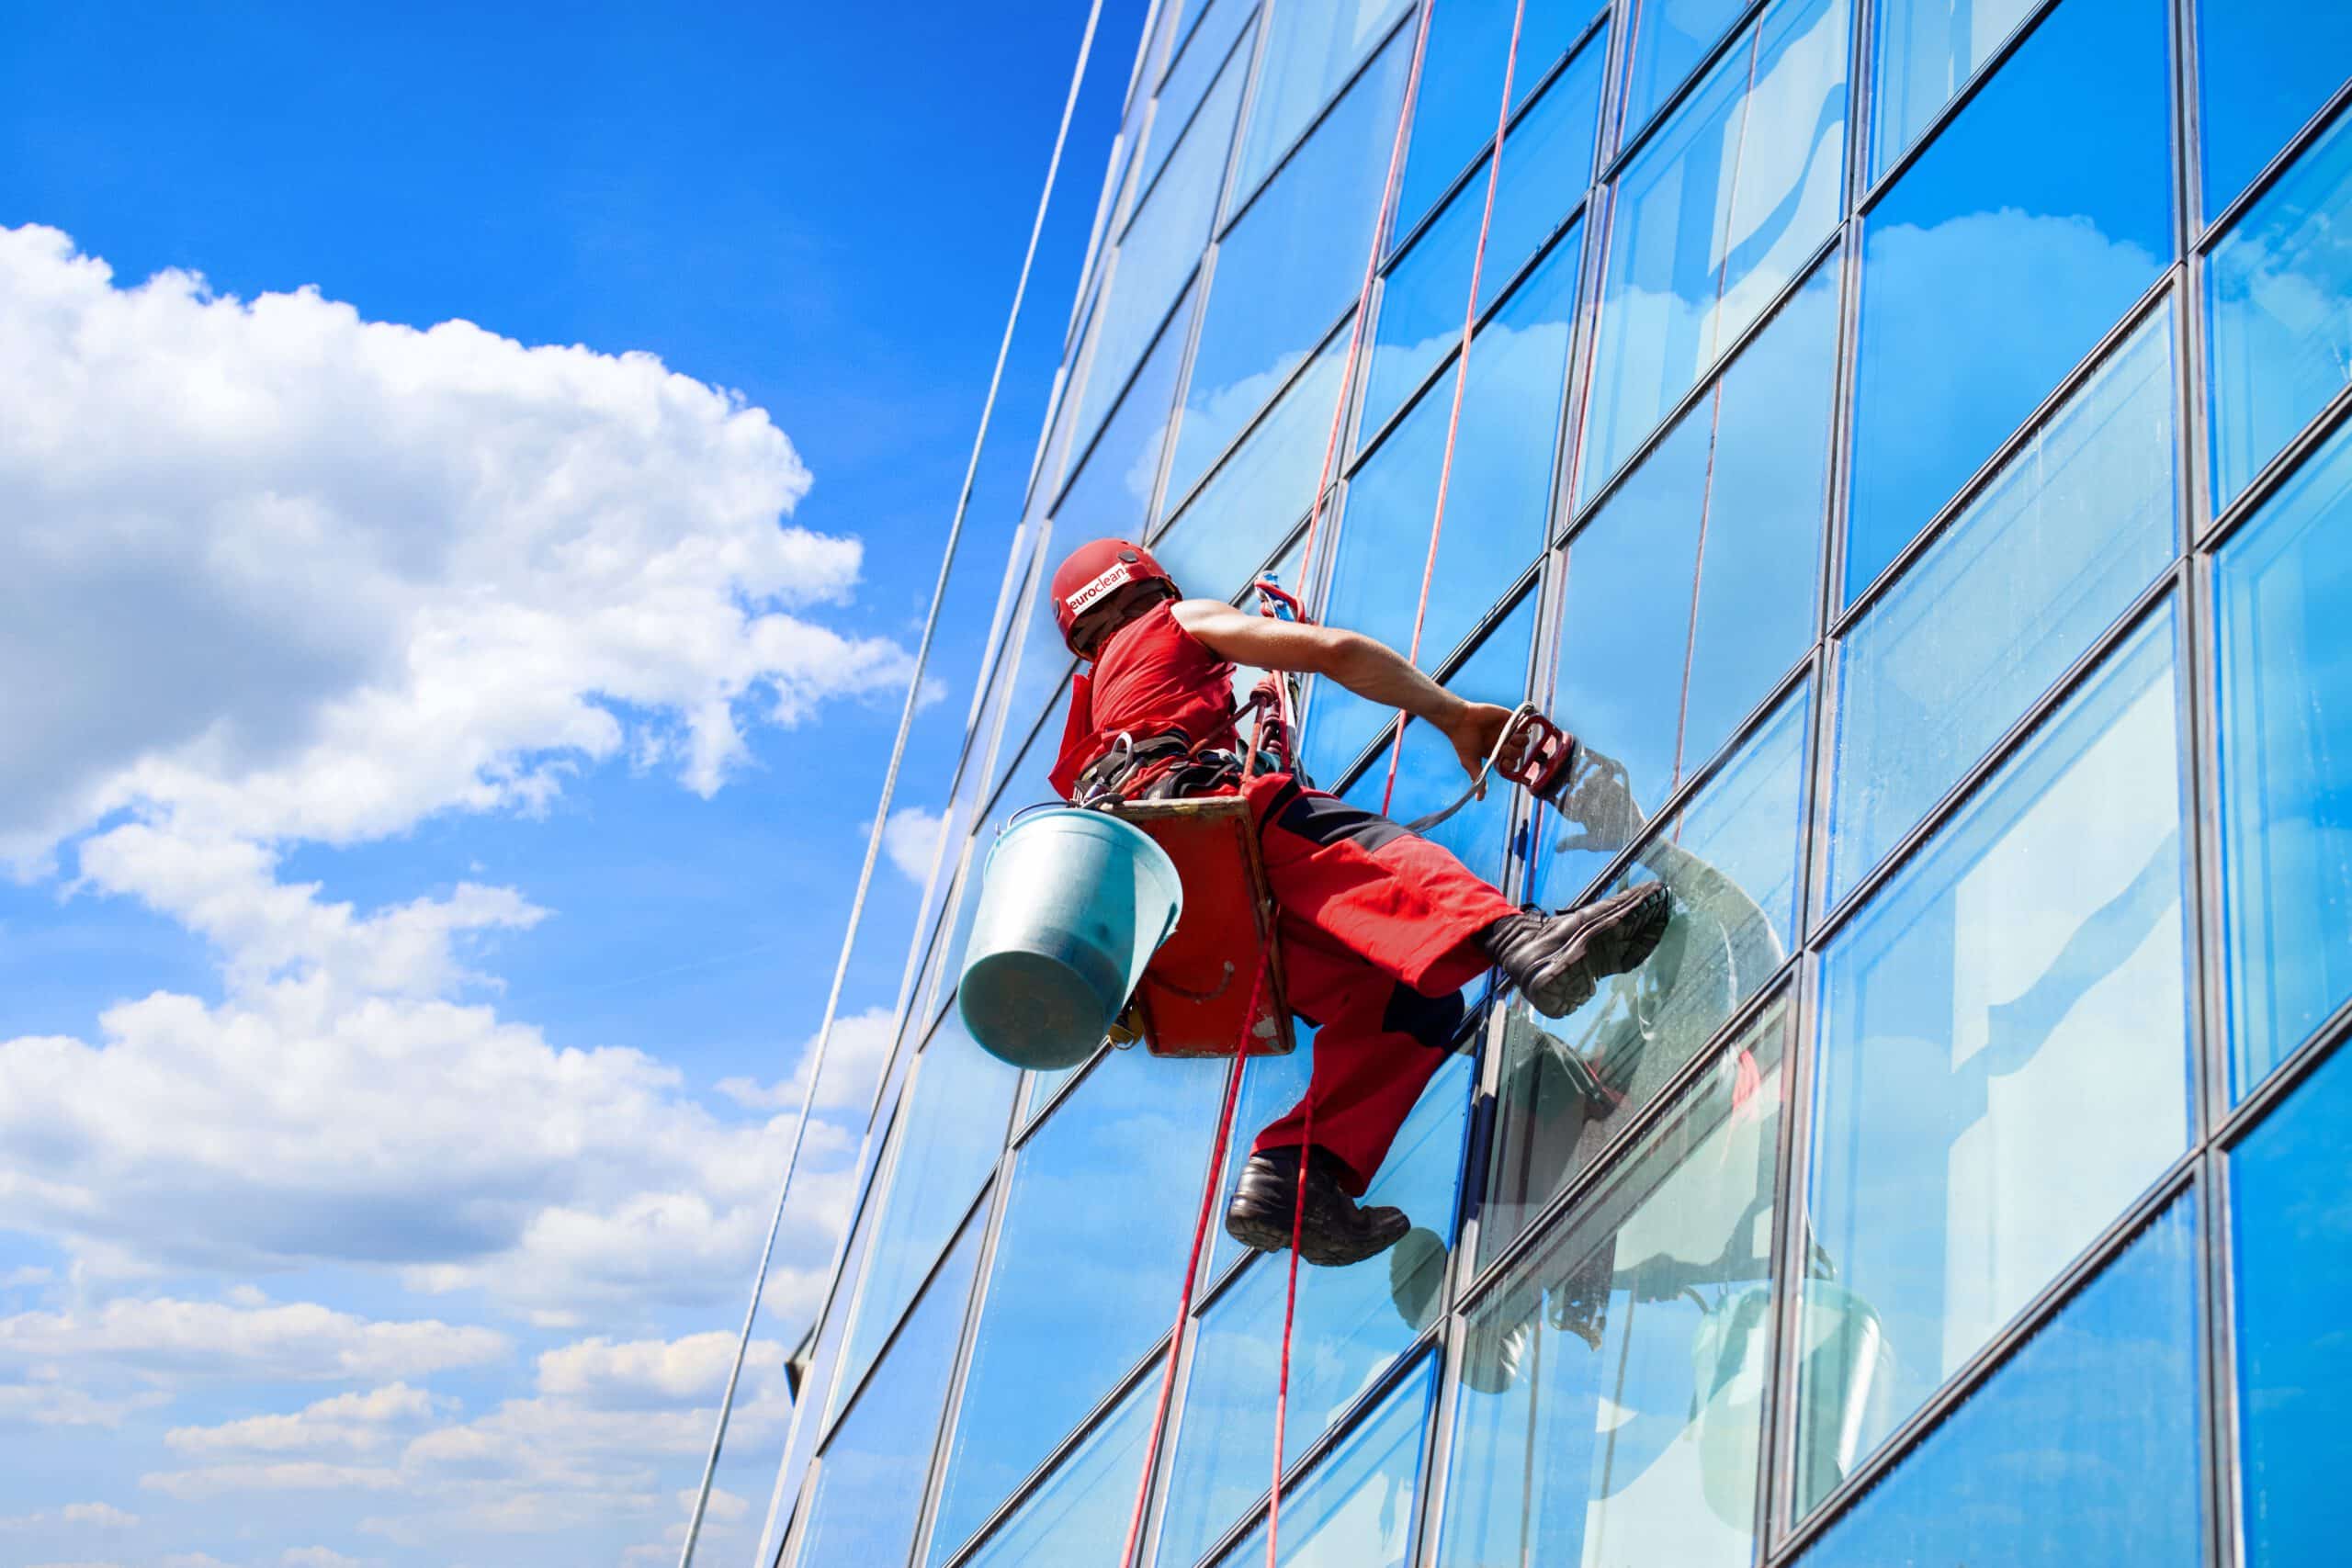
[(1151, 677)]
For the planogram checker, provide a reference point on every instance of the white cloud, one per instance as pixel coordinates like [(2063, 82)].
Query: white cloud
[(363, 1422), (853, 1063), (664, 1372), (912, 841), (211, 1338), (296, 573), (100, 1516), (292, 1475), (316, 1557)]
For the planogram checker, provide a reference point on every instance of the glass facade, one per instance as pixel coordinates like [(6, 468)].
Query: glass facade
[(1909, 443)]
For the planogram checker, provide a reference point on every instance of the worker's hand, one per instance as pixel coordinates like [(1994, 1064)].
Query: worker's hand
[(1474, 732)]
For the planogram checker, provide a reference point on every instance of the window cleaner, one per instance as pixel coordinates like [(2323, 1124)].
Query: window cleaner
[(1376, 929)]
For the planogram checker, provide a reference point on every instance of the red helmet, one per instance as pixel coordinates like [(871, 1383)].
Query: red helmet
[(1094, 572)]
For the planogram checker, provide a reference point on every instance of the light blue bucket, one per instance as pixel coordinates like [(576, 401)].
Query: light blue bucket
[(1073, 905)]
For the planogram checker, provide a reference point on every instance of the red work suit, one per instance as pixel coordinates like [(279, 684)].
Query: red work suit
[(1375, 922)]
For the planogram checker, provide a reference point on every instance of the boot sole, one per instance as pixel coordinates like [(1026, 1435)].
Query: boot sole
[(1271, 1233), (1624, 931)]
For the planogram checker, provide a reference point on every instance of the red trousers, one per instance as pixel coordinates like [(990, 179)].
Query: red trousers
[(1377, 925)]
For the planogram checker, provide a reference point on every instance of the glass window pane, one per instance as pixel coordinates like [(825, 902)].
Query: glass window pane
[(1429, 776), (2264, 67), (1461, 86), (1714, 219), (2291, 1232), (1310, 49), (2002, 256), (1088, 1499), (1614, 1385), (1110, 496), (1188, 79), (1928, 50), (2278, 305), (2003, 1054), (1351, 1326), (1260, 493), (1731, 858), (1499, 502), (1670, 39), (955, 1122), (2041, 563), (1157, 252), (2083, 1448), (1290, 264), (1358, 1508), (870, 1478), (2285, 652), (1095, 1231), (1546, 160), (1735, 496)]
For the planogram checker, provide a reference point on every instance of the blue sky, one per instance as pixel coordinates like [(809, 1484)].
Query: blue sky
[(445, 773)]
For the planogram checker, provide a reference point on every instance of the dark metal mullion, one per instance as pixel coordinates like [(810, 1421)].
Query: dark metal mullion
[(2148, 602), (2012, 446), (889, 1340), (1410, 17), (1405, 239), (1342, 1427), (1190, 31), (1037, 1113), (2275, 472), (1511, 285), (1686, 89), (1604, 1164), (2038, 1313), (2217, 1363), (1956, 105), (2284, 159), (1792, 1260), (1582, 512)]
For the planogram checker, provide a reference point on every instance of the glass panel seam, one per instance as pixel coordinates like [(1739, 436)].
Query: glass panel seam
[(2159, 293), (1072, 472), (1776, 1488), (882, 1350), (2029, 1320), (951, 1408), (2150, 601), (2217, 1363), (2274, 1090), (1709, 375), (2285, 158), (1936, 123), (1173, 507), (2277, 471), (1672, 104), (1605, 1164), (1191, 120)]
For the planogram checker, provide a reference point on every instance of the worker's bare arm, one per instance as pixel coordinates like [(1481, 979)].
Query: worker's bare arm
[(1369, 667)]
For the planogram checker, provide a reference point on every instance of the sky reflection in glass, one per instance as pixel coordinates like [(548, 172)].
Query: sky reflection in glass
[(1927, 50), (2084, 1447), (1669, 42), (2045, 558), (1311, 46), (871, 1476), (1547, 159), (2291, 1232), (1291, 264), (1359, 1507), (1614, 1385), (2003, 1053), (1461, 86), (2264, 67), (1733, 497), (1714, 217), (1188, 79), (1569, 1085), (1086, 1501), (1083, 1270), (1998, 261), (2279, 313), (1351, 1324), (2283, 585), (955, 1121)]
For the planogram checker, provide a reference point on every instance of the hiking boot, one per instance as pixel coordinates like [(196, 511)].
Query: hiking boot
[(1556, 961), (1332, 1229)]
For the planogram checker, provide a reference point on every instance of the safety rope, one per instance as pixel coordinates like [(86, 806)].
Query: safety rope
[(874, 835), (1460, 381)]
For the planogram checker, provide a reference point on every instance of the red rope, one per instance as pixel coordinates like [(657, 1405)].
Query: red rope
[(1210, 1186), (1461, 379)]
